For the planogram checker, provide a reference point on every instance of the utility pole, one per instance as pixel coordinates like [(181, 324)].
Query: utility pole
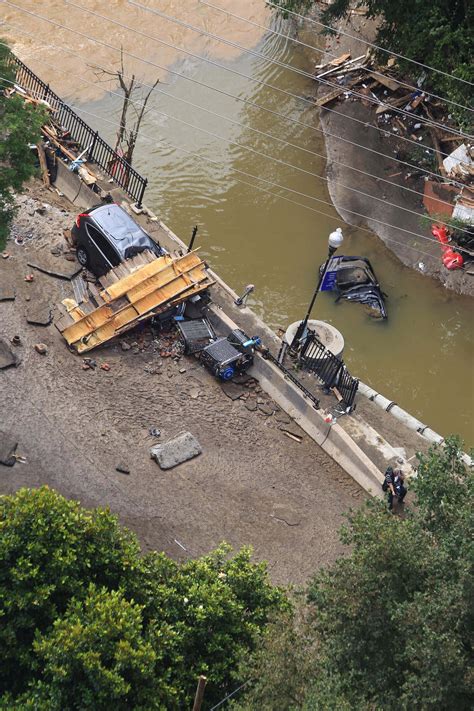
[(199, 696)]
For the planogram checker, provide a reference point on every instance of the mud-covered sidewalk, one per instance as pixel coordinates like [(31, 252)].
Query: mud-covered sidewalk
[(252, 484)]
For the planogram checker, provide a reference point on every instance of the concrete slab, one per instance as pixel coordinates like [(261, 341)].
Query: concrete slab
[(39, 313), (8, 446), (178, 450), (7, 292), (55, 266), (7, 356)]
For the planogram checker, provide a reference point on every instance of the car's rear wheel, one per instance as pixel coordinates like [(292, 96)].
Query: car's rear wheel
[(82, 256)]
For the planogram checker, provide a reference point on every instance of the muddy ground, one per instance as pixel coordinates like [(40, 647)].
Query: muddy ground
[(252, 484), (410, 239)]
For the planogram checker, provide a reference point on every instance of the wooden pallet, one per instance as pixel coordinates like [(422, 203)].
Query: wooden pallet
[(137, 289)]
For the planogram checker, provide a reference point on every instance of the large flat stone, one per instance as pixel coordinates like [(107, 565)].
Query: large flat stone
[(7, 356), (55, 266), (39, 313), (178, 450), (231, 390), (7, 292), (8, 447)]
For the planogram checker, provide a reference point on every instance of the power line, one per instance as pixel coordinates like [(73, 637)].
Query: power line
[(278, 63), (226, 118), (229, 696), (255, 177), (252, 150), (221, 91), (370, 44), (322, 51)]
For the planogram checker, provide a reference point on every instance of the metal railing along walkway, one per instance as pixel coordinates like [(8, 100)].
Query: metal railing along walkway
[(98, 150), (330, 369)]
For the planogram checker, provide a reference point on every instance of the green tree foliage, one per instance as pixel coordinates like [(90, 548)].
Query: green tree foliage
[(20, 125), (89, 623), (437, 33), (390, 626)]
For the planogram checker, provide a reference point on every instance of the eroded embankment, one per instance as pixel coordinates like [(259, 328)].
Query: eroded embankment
[(395, 209)]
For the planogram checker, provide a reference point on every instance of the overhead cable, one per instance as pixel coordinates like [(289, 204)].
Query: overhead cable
[(247, 148), (256, 177), (366, 42), (247, 127), (221, 91), (325, 52), (283, 65)]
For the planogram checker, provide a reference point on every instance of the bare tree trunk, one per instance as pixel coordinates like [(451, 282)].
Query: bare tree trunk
[(128, 85), (133, 134)]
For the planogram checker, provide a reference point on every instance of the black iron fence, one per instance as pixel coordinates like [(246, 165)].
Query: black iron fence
[(98, 151), (289, 376), (330, 369)]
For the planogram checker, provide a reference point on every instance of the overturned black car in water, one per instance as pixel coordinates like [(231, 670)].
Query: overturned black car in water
[(354, 279)]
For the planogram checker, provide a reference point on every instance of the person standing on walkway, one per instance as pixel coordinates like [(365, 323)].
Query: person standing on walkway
[(394, 484)]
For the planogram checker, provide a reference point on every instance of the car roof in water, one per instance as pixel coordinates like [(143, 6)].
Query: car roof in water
[(117, 224)]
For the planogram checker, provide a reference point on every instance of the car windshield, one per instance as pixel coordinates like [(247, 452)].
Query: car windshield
[(117, 224)]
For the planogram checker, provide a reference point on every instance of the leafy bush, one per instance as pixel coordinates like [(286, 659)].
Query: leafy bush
[(89, 623), (389, 626), (20, 125)]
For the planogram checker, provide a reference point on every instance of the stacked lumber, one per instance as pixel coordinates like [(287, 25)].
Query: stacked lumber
[(138, 289)]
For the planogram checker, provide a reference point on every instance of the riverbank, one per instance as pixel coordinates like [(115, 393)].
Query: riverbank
[(373, 152)]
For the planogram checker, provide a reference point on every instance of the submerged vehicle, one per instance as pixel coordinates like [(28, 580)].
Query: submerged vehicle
[(355, 280)]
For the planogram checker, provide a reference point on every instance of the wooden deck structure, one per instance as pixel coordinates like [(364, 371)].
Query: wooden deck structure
[(139, 288)]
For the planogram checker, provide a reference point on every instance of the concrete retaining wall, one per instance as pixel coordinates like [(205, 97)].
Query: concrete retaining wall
[(330, 437), (74, 189)]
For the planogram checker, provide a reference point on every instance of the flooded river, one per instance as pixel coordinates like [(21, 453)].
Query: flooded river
[(253, 232)]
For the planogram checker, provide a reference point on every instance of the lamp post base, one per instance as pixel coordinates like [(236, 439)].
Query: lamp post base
[(327, 334)]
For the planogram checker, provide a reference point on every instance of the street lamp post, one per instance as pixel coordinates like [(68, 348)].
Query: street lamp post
[(334, 242)]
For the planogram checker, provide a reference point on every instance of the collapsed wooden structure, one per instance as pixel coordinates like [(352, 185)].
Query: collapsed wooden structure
[(139, 288), (398, 105)]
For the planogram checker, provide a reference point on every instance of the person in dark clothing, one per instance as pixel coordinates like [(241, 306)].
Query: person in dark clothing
[(399, 484), (394, 484)]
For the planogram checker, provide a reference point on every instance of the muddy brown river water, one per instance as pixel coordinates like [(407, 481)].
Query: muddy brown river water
[(422, 356)]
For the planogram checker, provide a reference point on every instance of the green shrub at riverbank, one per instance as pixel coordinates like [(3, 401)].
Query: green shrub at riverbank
[(20, 125)]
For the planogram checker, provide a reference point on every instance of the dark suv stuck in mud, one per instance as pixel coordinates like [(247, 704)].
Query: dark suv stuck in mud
[(105, 235)]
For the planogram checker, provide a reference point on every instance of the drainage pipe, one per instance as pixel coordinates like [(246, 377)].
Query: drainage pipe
[(408, 420)]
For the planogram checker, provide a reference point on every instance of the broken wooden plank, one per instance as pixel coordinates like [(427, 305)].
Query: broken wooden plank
[(335, 62), (388, 82), (417, 101), (346, 66), (95, 294), (437, 148), (395, 104), (449, 138), (43, 164), (332, 95)]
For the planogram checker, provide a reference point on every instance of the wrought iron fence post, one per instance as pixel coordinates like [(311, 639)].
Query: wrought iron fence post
[(46, 92), (142, 192), (90, 154)]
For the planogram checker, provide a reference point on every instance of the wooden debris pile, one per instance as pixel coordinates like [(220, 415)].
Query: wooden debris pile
[(56, 138), (138, 289), (399, 108)]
